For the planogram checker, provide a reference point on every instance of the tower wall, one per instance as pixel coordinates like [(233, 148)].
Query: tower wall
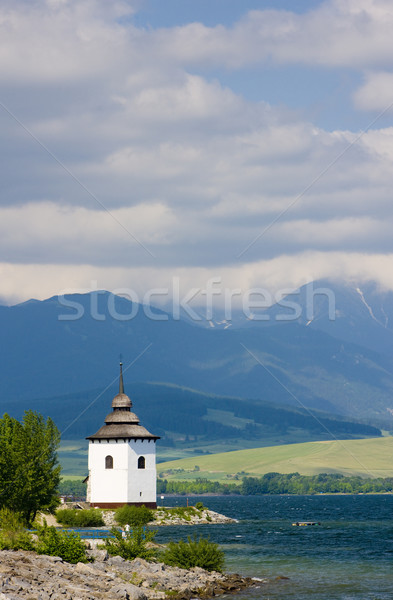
[(124, 483), (141, 486)]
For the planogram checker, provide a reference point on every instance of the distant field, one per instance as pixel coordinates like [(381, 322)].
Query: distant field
[(73, 459), (372, 457)]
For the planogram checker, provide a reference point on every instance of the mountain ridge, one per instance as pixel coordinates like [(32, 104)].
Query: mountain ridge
[(46, 351)]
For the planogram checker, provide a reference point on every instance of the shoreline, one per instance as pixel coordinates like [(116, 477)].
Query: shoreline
[(163, 516), (204, 516), (27, 575), (214, 495)]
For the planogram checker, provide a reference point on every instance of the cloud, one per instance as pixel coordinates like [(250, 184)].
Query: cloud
[(102, 114), (60, 41), (376, 93), (337, 33), (46, 232), (162, 286)]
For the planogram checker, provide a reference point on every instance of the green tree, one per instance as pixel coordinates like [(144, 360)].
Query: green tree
[(29, 470)]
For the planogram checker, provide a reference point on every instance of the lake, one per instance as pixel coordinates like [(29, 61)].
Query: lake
[(348, 557)]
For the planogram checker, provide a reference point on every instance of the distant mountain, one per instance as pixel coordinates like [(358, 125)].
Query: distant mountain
[(49, 349), (361, 314)]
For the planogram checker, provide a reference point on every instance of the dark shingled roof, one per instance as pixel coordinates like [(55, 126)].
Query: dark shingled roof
[(121, 422), (123, 431)]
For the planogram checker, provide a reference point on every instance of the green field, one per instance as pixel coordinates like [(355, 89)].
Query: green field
[(372, 457), (73, 459)]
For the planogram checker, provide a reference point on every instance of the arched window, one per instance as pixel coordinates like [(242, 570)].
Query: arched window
[(141, 462), (108, 462)]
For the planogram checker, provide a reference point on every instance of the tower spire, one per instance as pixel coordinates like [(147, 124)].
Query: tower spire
[(121, 384)]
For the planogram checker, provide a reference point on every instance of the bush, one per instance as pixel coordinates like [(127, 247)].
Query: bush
[(195, 552), (66, 544), (135, 516), (13, 535), (182, 512), (80, 518), (131, 544), (199, 506)]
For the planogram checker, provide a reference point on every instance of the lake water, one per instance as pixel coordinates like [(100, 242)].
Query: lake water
[(348, 557)]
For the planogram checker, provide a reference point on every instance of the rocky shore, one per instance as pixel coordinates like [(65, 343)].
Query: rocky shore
[(162, 516), (34, 577)]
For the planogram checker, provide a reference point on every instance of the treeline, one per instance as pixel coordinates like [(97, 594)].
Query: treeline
[(72, 487), (196, 487), (271, 483), (332, 483), (277, 483)]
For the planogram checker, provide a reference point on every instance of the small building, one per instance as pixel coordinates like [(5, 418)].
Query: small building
[(122, 459)]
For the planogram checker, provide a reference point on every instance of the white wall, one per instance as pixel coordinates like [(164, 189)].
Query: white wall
[(125, 482), (142, 482)]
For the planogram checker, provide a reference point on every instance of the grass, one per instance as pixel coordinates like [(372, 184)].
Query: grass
[(369, 457), (366, 457)]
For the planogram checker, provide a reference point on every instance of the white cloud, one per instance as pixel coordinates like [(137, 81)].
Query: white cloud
[(339, 33), (191, 169), (52, 232), (376, 93), (21, 281)]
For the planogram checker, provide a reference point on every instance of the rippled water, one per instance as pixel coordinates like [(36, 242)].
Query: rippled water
[(348, 557)]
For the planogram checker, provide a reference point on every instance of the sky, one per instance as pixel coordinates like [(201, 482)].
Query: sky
[(147, 141)]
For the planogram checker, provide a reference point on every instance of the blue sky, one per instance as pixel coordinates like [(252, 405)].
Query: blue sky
[(146, 141), (170, 13)]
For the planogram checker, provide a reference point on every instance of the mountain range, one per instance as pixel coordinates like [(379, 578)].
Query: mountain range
[(338, 360)]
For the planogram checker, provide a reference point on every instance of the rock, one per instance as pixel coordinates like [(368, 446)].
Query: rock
[(85, 569), (184, 593), (26, 575), (54, 559), (116, 560), (129, 592), (99, 555), (204, 516)]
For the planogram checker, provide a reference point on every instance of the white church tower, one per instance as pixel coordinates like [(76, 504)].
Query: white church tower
[(122, 459)]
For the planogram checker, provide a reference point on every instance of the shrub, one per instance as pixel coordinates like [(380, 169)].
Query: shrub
[(195, 552), (134, 516), (66, 544), (131, 544), (199, 506), (13, 535), (80, 518), (183, 512)]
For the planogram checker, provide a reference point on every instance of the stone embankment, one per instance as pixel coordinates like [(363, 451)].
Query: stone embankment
[(165, 517), (26, 575)]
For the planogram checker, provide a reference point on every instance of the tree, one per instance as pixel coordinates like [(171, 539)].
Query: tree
[(29, 470)]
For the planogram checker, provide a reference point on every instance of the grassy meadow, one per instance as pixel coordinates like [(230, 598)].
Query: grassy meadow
[(372, 457)]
